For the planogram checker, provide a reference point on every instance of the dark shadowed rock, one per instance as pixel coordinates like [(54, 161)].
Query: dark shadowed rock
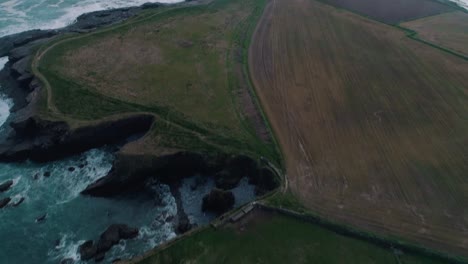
[(8, 43), (4, 202), (184, 225), (44, 140), (107, 240), (87, 250), (218, 201), (265, 180), (71, 169), (113, 235), (47, 174), (236, 168), (6, 185), (226, 180), (100, 257)]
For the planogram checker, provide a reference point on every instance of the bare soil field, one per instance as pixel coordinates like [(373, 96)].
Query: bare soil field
[(449, 30), (394, 11), (372, 124)]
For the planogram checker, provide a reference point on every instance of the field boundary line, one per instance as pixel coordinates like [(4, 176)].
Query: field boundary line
[(349, 231), (408, 32)]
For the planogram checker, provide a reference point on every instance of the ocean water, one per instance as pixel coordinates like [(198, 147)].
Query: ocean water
[(462, 3), (20, 15), (72, 218)]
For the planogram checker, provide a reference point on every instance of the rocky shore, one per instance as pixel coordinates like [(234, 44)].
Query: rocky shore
[(35, 138)]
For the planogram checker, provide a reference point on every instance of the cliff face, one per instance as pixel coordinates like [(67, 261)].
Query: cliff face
[(131, 172), (43, 140)]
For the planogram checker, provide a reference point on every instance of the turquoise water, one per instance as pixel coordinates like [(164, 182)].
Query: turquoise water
[(71, 218)]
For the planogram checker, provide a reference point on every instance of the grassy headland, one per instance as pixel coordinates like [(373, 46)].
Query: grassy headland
[(183, 64)]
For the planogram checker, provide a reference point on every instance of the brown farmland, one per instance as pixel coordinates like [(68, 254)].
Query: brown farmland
[(449, 30), (372, 124), (392, 11)]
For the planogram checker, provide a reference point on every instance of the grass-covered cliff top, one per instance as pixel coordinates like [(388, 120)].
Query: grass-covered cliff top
[(186, 64)]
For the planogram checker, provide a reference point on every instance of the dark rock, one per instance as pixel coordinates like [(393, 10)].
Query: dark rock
[(99, 257), (41, 218), (218, 201), (67, 261), (150, 5), (184, 226), (34, 84), (4, 202), (36, 176), (87, 250), (47, 174), (265, 180), (226, 181), (17, 203), (81, 166), (107, 240), (236, 168), (6, 185), (43, 140), (8, 43), (22, 67), (71, 169), (130, 172)]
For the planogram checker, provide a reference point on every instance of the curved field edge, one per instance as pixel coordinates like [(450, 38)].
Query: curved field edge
[(172, 127), (447, 31)]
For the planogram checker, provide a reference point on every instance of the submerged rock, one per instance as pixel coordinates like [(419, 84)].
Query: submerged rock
[(71, 169), (47, 174), (218, 201), (4, 202), (6, 185), (17, 203), (41, 218)]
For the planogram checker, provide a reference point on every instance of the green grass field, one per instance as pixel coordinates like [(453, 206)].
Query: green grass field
[(273, 238), (184, 64)]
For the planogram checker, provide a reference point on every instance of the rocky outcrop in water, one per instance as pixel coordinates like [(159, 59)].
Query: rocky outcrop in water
[(107, 240), (6, 186), (4, 202), (218, 201), (43, 140)]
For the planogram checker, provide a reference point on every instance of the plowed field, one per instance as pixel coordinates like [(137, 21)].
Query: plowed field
[(373, 125)]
